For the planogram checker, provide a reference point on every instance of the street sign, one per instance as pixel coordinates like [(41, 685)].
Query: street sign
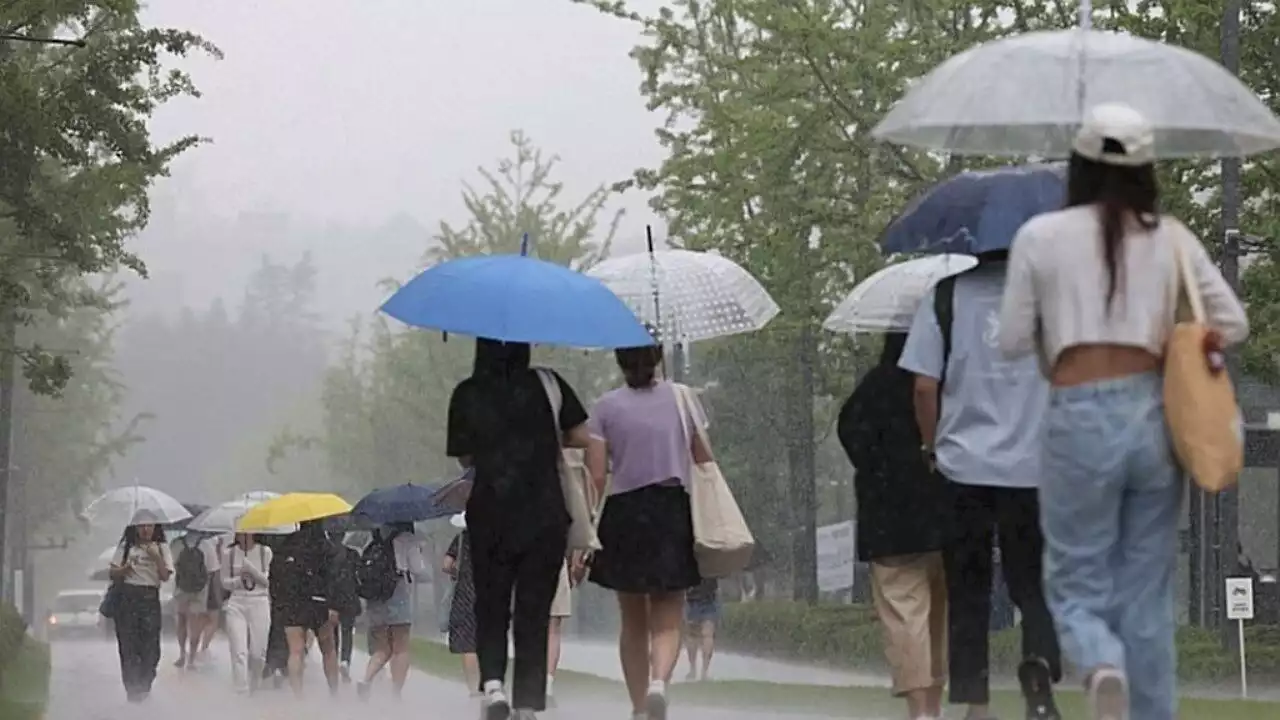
[(1240, 598)]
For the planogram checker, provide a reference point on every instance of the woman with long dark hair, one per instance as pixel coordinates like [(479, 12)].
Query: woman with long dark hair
[(141, 565), (1094, 289), (503, 424), (647, 437)]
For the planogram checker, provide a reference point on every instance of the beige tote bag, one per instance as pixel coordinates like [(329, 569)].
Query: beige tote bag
[(582, 527), (1199, 402), (722, 542)]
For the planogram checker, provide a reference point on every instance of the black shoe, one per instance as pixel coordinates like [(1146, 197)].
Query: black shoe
[(1037, 690)]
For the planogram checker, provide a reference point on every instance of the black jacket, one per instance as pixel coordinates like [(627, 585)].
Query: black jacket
[(305, 569), (900, 503)]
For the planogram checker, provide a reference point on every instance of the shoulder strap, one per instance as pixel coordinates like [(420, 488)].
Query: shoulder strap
[(685, 407), (552, 389), (944, 295), (1185, 286)]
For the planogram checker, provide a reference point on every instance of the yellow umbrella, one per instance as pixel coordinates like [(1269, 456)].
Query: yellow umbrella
[(292, 508)]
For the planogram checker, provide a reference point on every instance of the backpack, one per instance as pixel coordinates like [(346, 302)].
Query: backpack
[(191, 575), (376, 576)]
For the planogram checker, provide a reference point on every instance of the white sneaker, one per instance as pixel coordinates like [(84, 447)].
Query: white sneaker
[(495, 705), (1109, 695), (655, 701)]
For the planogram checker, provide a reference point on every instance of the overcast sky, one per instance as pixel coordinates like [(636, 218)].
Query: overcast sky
[(351, 113)]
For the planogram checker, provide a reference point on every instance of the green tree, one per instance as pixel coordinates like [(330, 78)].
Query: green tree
[(386, 397), (64, 446), (77, 157)]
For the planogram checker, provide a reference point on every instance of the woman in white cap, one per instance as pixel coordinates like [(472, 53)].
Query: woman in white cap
[(1093, 289)]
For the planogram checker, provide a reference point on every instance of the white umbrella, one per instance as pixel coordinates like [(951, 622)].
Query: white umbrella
[(699, 296), (888, 300), (1026, 95), (257, 496), (221, 520), (135, 505)]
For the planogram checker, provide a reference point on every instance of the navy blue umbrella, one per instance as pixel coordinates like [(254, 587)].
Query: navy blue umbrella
[(406, 503), (976, 212)]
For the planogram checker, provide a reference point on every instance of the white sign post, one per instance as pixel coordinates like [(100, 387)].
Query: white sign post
[(1240, 608), (836, 556)]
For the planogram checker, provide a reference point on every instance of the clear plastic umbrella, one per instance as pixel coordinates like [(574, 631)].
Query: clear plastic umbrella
[(221, 520), (135, 505), (887, 301), (1026, 95), (688, 296)]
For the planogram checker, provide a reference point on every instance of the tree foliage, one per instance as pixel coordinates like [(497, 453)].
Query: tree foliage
[(63, 446), (76, 155), (386, 398)]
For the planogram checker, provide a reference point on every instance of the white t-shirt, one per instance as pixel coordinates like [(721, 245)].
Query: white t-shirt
[(257, 561), (146, 571), (411, 555)]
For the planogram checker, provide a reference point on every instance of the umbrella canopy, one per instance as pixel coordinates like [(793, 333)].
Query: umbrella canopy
[(699, 296), (1027, 94), (887, 301), (514, 298), (453, 495), (290, 509), (400, 504), (222, 519), (256, 496), (135, 505), (976, 212)]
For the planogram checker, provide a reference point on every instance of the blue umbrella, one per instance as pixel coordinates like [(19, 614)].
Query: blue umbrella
[(406, 503), (514, 298), (976, 212)]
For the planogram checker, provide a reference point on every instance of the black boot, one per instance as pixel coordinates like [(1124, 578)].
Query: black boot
[(1037, 690)]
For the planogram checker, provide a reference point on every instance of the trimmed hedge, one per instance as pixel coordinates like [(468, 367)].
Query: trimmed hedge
[(24, 669), (850, 636)]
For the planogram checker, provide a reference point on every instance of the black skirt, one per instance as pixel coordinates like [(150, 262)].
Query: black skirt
[(647, 542)]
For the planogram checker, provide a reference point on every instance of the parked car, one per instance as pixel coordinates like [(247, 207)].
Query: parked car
[(74, 613)]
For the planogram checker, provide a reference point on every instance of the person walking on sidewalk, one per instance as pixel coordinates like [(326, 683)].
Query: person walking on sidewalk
[(347, 598), (701, 615), (142, 564), (245, 574), (901, 505), (503, 424), (303, 599), (462, 605), (390, 615), (196, 563), (1093, 292), (650, 439), (980, 418)]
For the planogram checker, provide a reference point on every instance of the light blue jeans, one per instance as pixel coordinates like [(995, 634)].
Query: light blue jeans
[(1110, 499)]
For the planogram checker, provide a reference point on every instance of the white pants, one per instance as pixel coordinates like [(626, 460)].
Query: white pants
[(248, 622)]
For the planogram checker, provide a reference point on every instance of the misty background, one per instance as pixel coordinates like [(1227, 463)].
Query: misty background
[(341, 135)]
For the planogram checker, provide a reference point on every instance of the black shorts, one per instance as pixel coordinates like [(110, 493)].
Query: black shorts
[(308, 614), (647, 539)]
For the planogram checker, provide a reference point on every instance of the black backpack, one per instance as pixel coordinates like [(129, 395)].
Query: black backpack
[(191, 574), (376, 576)]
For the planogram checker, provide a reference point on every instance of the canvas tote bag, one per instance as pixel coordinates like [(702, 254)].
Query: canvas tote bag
[(582, 527), (1199, 404), (722, 542)]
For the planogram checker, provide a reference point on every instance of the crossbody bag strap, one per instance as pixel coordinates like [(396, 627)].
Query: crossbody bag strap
[(1185, 285)]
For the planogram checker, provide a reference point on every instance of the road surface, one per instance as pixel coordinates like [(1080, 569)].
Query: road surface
[(86, 686)]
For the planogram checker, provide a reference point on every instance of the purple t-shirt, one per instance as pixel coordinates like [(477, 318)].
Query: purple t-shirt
[(646, 438)]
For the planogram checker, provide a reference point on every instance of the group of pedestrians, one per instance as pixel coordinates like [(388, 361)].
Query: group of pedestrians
[(1024, 409), (276, 596)]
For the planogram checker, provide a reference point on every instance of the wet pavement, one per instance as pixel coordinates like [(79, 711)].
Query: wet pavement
[(86, 686)]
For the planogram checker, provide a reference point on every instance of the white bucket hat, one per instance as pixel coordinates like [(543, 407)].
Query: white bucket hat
[(459, 521), (1113, 125)]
